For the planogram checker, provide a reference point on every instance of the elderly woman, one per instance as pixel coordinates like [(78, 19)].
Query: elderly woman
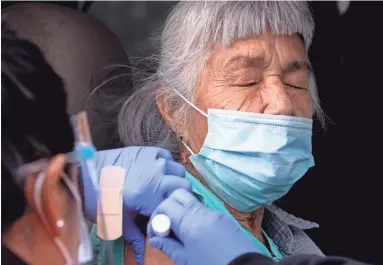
[(233, 99)]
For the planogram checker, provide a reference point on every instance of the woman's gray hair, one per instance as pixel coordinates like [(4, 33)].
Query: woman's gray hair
[(191, 30)]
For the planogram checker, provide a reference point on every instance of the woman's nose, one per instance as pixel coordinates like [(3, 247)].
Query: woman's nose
[(277, 101)]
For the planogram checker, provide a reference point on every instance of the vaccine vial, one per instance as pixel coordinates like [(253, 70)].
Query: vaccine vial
[(161, 225)]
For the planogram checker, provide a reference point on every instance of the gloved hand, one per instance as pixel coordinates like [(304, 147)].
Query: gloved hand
[(205, 237), (151, 175)]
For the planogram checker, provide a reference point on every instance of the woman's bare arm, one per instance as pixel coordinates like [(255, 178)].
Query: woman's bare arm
[(153, 256)]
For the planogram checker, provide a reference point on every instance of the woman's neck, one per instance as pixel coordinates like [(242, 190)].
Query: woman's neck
[(252, 222)]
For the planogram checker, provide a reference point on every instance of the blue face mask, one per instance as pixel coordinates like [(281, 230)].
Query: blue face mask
[(250, 160)]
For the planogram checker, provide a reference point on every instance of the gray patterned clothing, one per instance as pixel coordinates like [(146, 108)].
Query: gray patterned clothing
[(287, 232)]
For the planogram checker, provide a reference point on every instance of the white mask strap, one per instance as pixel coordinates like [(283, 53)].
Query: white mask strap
[(64, 251), (197, 109), (191, 104), (187, 147), (37, 196)]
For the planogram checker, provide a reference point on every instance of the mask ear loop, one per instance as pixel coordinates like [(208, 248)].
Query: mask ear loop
[(37, 196), (186, 146), (191, 104), (197, 109)]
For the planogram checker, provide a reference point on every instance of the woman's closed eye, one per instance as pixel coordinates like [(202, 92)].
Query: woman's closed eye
[(248, 84), (254, 83), (296, 87)]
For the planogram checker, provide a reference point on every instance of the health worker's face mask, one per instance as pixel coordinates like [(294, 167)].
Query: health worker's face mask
[(251, 160)]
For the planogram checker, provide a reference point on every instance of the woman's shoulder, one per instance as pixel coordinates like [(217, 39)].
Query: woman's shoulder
[(287, 232)]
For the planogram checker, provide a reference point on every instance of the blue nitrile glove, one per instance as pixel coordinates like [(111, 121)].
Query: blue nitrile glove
[(151, 176), (206, 237)]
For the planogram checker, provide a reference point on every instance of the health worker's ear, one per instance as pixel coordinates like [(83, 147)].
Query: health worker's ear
[(53, 196)]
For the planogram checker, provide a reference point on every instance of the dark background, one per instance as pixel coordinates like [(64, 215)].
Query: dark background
[(343, 193)]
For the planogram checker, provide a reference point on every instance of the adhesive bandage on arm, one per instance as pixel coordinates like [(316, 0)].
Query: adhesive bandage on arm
[(109, 206)]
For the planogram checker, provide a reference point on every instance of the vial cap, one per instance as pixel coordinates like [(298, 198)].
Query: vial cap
[(161, 225)]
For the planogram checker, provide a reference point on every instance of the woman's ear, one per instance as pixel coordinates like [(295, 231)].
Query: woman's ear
[(164, 111), (51, 195)]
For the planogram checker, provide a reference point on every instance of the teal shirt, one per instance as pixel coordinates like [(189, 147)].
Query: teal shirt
[(206, 197), (213, 202)]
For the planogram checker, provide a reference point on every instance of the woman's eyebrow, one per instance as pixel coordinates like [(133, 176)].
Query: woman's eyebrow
[(244, 60), (298, 65)]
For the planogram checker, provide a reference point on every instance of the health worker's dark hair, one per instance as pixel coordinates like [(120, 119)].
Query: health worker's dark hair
[(34, 120)]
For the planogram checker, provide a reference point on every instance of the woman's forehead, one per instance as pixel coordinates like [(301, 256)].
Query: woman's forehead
[(259, 51)]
